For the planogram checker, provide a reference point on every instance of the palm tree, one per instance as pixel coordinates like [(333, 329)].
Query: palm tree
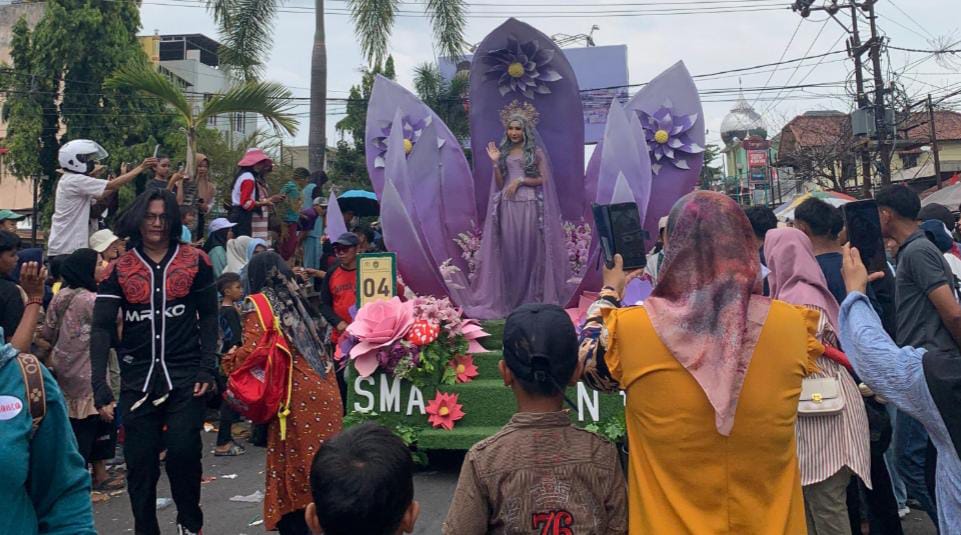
[(446, 98), (269, 100), (246, 26)]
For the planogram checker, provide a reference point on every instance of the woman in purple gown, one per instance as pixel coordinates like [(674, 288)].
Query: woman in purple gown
[(523, 257)]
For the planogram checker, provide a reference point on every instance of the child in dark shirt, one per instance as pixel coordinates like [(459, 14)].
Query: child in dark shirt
[(231, 335), (362, 481)]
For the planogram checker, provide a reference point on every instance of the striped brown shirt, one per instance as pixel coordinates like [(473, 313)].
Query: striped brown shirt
[(540, 475)]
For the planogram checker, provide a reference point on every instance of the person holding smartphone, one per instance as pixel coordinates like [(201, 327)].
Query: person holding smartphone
[(928, 317)]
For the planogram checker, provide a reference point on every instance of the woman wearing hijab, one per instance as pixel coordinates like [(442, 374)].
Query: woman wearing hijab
[(712, 374), (220, 233), (924, 384), (237, 254), (833, 447), (315, 408), (67, 329)]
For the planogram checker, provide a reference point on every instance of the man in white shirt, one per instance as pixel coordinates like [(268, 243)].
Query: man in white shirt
[(77, 191)]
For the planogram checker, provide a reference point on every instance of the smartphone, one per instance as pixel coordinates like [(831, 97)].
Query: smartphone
[(863, 224), (619, 231), (156, 150)]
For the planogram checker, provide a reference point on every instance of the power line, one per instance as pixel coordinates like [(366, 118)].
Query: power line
[(784, 52)]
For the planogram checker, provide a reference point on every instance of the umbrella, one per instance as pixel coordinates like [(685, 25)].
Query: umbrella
[(362, 203), (786, 211), (949, 196)]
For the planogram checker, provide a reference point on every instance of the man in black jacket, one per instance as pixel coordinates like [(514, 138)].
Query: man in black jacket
[(165, 294)]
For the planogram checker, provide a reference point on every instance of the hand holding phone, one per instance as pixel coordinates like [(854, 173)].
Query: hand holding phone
[(863, 224), (620, 233)]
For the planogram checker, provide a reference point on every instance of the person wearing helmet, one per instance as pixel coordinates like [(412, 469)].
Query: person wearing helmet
[(77, 190)]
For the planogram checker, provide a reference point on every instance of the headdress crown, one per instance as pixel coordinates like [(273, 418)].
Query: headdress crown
[(525, 110)]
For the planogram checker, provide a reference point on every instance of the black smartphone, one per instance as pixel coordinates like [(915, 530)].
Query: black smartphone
[(620, 232), (863, 224)]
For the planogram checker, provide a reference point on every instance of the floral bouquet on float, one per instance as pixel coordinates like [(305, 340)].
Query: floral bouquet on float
[(426, 341)]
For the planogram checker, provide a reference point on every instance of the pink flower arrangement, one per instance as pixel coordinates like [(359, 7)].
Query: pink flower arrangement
[(444, 410), (464, 368), (578, 246), (470, 244), (378, 325)]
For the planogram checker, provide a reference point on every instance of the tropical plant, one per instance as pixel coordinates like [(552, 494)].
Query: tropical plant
[(446, 98), (269, 100), (54, 90), (246, 31)]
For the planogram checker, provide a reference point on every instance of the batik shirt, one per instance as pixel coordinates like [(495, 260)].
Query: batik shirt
[(169, 312)]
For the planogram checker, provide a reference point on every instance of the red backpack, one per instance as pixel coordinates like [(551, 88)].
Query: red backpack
[(260, 388)]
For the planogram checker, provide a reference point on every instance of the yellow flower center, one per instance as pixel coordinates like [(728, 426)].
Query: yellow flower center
[(461, 368), (516, 70), (661, 136), (408, 146), (444, 411)]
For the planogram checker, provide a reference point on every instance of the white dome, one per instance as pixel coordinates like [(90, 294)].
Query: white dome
[(742, 121)]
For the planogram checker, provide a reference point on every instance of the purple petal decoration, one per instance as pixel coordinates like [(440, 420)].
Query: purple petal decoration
[(561, 124), (387, 97), (335, 219), (674, 86), (400, 236)]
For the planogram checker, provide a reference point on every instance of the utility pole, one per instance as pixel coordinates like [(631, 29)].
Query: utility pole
[(884, 149), (854, 51), (934, 140)]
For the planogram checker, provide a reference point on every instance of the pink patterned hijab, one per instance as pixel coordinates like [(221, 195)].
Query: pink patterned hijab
[(703, 308), (795, 274)]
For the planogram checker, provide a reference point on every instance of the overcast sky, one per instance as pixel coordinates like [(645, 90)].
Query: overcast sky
[(707, 43)]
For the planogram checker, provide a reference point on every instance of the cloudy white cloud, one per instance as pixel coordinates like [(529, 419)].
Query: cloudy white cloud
[(705, 42)]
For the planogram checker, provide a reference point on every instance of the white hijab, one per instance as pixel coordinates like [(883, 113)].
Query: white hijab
[(237, 254)]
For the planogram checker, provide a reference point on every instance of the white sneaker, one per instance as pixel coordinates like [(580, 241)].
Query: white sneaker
[(903, 511)]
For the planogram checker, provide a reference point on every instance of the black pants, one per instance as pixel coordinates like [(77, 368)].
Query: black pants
[(145, 438), (96, 438), (881, 508), (228, 417)]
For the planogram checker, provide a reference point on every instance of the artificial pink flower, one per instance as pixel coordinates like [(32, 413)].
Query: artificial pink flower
[(378, 325), (423, 332), (464, 367), (444, 410), (473, 332)]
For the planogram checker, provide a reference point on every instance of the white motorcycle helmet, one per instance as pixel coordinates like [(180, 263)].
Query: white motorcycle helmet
[(80, 155)]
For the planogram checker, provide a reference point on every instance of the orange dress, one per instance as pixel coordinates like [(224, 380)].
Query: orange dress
[(315, 415), (685, 477)]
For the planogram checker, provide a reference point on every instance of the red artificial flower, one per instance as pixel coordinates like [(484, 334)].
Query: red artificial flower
[(423, 332), (465, 368), (444, 410)]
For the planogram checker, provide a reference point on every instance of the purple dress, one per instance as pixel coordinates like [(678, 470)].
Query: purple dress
[(523, 258)]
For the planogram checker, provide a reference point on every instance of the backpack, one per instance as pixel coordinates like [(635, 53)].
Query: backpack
[(32, 372), (260, 388)]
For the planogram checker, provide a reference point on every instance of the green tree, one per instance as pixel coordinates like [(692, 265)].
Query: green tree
[(55, 87), (446, 98), (710, 174), (246, 30), (269, 100), (348, 165)]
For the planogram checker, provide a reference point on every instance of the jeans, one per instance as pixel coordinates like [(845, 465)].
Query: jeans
[(182, 414), (910, 448)]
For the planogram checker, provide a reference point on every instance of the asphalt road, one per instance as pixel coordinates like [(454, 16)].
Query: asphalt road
[(433, 487)]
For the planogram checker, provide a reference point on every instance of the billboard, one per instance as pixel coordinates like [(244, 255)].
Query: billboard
[(601, 74), (757, 158)]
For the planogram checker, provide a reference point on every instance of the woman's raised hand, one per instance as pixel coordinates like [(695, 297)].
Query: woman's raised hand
[(493, 152)]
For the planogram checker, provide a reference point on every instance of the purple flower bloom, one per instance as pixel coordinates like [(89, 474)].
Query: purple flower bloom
[(522, 68), (390, 357), (667, 136), (412, 127)]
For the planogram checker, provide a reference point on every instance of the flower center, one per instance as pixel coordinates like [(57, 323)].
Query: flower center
[(516, 70), (661, 136), (444, 411), (408, 146), (461, 368)]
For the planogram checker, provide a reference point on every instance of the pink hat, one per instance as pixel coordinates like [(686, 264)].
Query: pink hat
[(253, 157)]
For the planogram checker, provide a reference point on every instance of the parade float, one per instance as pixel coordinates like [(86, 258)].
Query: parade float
[(464, 243)]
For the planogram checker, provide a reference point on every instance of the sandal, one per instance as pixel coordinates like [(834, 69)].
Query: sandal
[(111, 483), (233, 451)]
